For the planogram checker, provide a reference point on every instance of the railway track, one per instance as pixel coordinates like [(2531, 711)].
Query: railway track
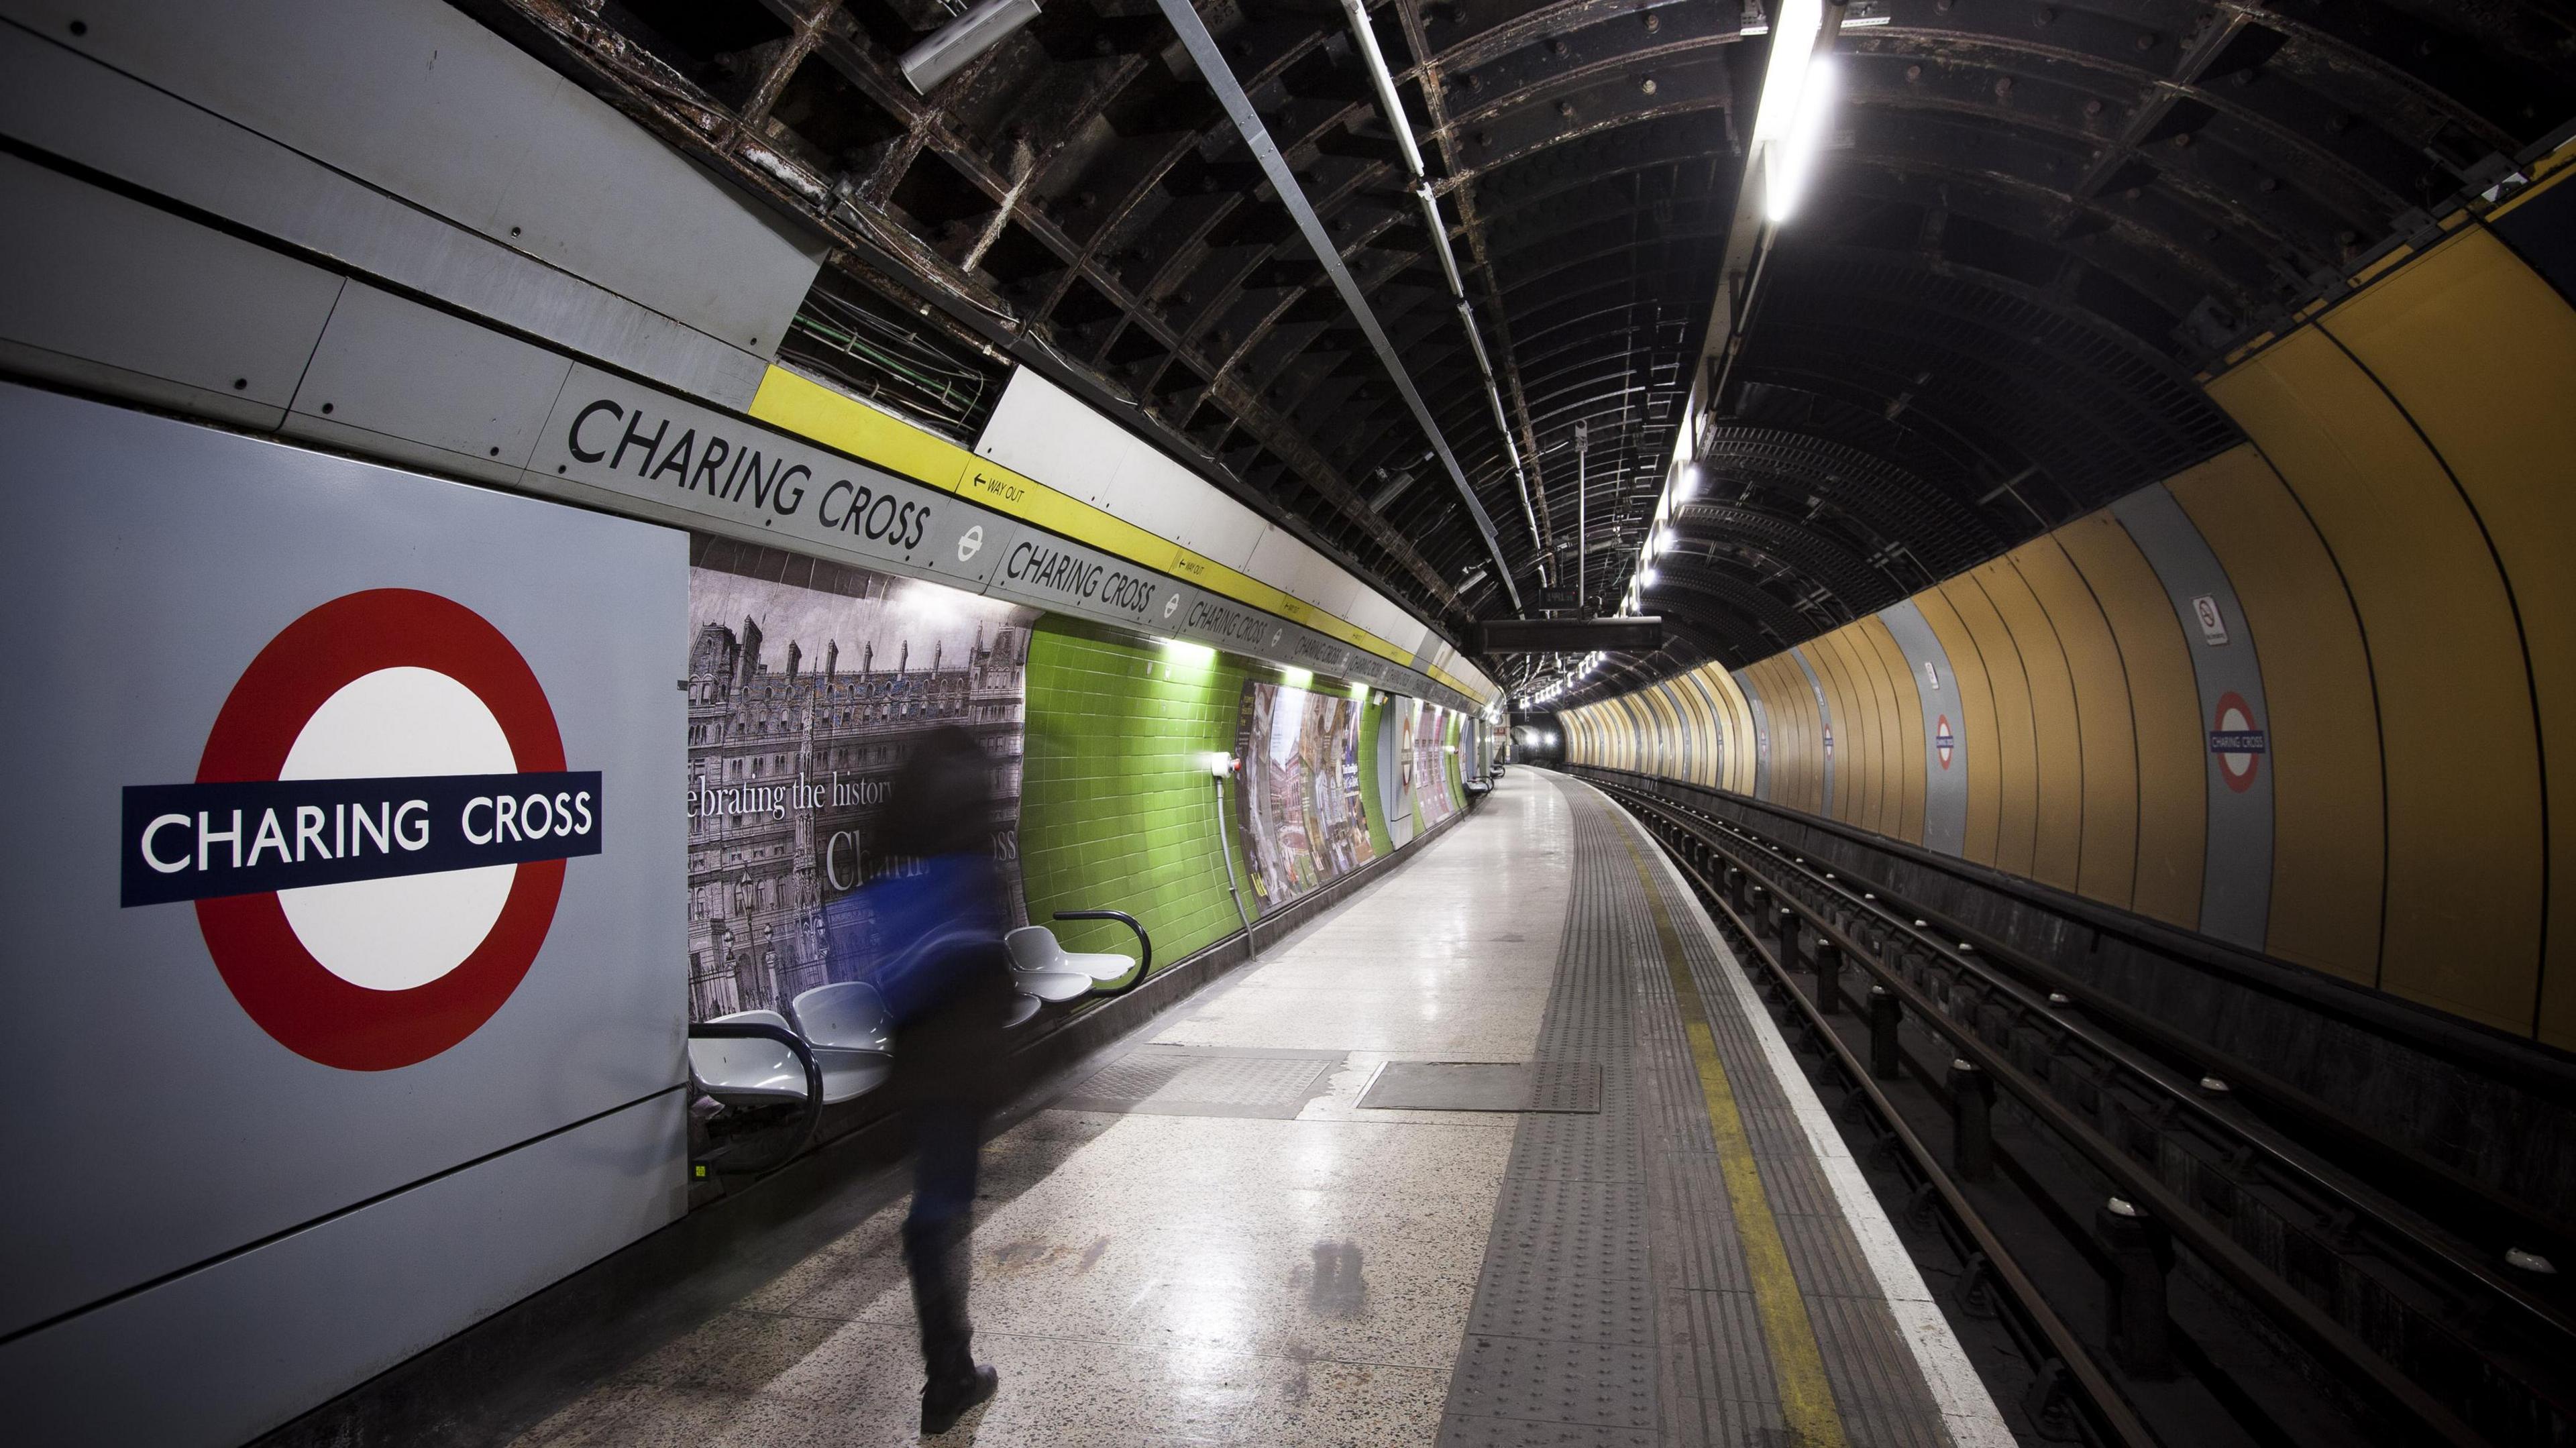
[(2170, 1262)]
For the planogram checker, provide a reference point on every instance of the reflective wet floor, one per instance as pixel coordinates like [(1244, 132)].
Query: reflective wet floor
[(1208, 1242), (1204, 1238)]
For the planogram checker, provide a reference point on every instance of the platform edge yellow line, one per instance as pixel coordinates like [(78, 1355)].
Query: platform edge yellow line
[(1797, 1358)]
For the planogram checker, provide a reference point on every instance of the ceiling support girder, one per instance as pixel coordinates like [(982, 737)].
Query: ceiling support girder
[(1211, 63)]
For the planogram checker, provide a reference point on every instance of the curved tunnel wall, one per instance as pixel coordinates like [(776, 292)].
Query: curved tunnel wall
[(2304, 697)]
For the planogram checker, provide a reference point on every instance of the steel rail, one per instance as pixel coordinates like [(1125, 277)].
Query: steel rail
[(2394, 1220), (2116, 1421), (2407, 1025), (2364, 1368)]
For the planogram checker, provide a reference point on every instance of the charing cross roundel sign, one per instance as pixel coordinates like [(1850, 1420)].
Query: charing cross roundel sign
[(2236, 741), (376, 838)]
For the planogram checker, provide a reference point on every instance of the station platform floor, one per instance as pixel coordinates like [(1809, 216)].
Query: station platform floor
[(1209, 1240)]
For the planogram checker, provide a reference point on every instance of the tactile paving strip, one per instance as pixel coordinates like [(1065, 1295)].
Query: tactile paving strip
[(1157, 1080), (1560, 1345), (1603, 1385), (1461, 1432), (1614, 1305), (1878, 1391)]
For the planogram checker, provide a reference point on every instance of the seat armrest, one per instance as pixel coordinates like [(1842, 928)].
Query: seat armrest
[(1144, 944), (762, 1031)]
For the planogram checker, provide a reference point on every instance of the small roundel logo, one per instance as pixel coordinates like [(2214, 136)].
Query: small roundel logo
[(1944, 742), (375, 842), (2237, 741)]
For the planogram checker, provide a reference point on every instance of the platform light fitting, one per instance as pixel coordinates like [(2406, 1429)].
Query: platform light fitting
[(1789, 164), (1793, 43), (961, 40)]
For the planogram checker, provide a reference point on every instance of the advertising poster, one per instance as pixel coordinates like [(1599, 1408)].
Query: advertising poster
[(1427, 747), (1299, 802), (808, 683), (1408, 718), (1394, 767)]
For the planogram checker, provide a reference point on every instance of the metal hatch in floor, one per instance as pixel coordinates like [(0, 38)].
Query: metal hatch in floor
[(1570, 1086)]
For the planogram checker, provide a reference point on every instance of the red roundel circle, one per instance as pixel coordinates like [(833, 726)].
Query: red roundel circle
[(293, 996), (2235, 716)]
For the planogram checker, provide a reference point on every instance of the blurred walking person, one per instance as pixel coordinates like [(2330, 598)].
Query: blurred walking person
[(938, 916)]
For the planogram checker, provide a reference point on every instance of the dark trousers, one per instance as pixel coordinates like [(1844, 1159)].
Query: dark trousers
[(946, 1140)]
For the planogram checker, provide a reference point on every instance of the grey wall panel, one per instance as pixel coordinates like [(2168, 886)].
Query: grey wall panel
[(76, 108), (401, 380), (1037, 567), (165, 557), (1310, 649), (1761, 736), (1214, 619), (617, 444), (1047, 433), (2236, 883), (95, 277), (1945, 791), (1825, 714), (694, 464), (217, 1356), (418, 100)]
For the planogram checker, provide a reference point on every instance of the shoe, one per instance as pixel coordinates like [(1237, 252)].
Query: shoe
[(942, 1407)]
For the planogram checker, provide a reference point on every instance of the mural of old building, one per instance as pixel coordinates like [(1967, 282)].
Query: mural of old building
[(788, 769)]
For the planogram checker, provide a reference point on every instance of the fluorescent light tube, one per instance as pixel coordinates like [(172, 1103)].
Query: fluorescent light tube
[(964, 38), (1793, 41), (1793, 161)]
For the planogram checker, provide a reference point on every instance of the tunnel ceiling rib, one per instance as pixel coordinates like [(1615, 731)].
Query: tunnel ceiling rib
[(2032, 224)]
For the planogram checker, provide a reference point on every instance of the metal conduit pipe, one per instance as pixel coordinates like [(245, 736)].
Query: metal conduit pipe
[(1502, 422), (1383, 80), (1440, 239), (1212, 67)]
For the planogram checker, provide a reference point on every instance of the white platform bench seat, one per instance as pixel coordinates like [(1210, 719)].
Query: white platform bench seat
[(1043, 970), (748, 1071), (847, 1027)]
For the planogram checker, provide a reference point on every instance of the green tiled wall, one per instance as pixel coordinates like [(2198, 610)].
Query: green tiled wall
[(1117, 811), (1372, 715), (1116, 808)]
